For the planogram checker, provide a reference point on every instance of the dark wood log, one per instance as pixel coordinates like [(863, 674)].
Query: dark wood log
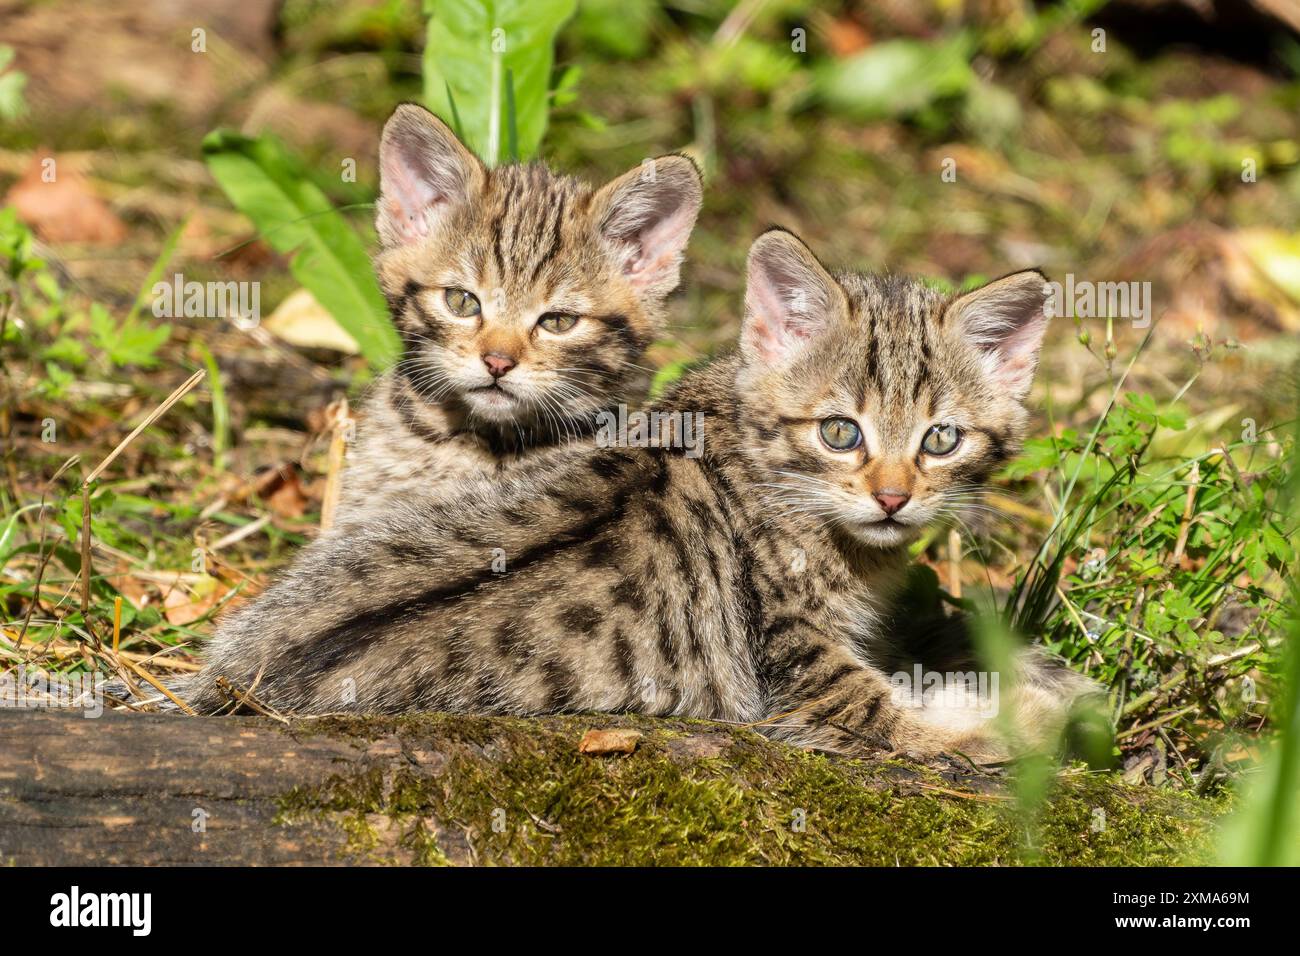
[(153, 789)]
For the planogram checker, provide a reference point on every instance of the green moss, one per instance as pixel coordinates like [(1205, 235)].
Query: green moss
[(442, 788)]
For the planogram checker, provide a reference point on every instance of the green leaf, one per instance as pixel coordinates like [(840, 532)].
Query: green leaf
[(129, 342), (471, 44), (666, 376), (266, 184), (617, 28), (897, 77), (67, 350), (56, 381), (12, 104)]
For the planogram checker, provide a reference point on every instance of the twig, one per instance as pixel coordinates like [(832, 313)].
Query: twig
[(152, 417), (1189, 506), (1159, 721), (85, 551), (144, 675), (40, 548), (239, 534), (334, 477)]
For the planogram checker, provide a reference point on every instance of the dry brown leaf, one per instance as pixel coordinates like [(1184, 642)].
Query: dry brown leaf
[(612, 741), (184, 605), (138, 592), (288, 500), (282, 491), (301, 320), (63, 210)]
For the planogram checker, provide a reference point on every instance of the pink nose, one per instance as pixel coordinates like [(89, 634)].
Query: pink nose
[(891, 502), (497, 364)]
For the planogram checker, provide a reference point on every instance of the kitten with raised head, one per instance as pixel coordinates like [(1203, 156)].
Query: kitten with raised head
[(746, 584), (525, 301)]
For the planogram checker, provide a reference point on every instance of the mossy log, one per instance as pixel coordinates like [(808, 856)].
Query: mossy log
[(130, 788)]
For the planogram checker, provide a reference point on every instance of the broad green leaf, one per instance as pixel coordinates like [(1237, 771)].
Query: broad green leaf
[(472, 46), (266, 184)]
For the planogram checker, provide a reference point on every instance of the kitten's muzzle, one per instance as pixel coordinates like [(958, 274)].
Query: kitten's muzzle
[(890, 501), (498, 364)]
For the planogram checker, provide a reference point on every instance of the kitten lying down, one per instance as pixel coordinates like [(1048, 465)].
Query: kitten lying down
[(525, 301), (749, 583)]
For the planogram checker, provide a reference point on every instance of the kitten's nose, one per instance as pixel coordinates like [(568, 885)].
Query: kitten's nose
[(891, 501), (498, 364)]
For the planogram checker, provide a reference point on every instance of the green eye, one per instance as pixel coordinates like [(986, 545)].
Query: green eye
[(557, 323), (941, 440), (841, 434), (461, 303)]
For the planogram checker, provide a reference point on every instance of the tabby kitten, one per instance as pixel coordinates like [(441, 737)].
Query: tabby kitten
[(524, 299), (745, 584)]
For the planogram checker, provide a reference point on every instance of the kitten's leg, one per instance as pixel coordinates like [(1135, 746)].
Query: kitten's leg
[(1038, 698), (827, 698)]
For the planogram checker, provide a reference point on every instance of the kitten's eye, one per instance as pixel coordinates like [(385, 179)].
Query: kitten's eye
[(557, 323), (841, 434), (941, 440), (461, 303)]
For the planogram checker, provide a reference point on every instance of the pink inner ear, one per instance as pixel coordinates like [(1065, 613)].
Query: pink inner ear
[(1017, 355), (409, 199), (657, 248), (774, 328)]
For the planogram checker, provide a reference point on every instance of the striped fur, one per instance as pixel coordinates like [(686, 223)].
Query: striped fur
[(526, 242), (641, 579)]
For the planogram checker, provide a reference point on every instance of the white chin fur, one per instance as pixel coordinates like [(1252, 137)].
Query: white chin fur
[(881, 535), (493, 404)]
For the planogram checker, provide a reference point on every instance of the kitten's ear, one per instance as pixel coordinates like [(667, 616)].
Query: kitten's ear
[(424, 171), (790, 299), (646, 216), (1005, 320)]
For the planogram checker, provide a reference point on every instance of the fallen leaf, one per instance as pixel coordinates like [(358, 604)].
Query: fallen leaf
[(288, 500), (58, 204), (301, 320), (282, 491), (138, 592), (183, 605), (613, 741)]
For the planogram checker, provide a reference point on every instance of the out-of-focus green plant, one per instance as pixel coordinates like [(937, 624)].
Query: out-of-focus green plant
[(266, 184), (487, 70), (619, 28), (39, 322), (1265, 830), (12, 82), (897, 77)]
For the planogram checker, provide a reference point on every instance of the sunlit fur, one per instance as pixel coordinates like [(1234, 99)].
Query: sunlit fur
[(916, 370), (525, 242), (642, 579)]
